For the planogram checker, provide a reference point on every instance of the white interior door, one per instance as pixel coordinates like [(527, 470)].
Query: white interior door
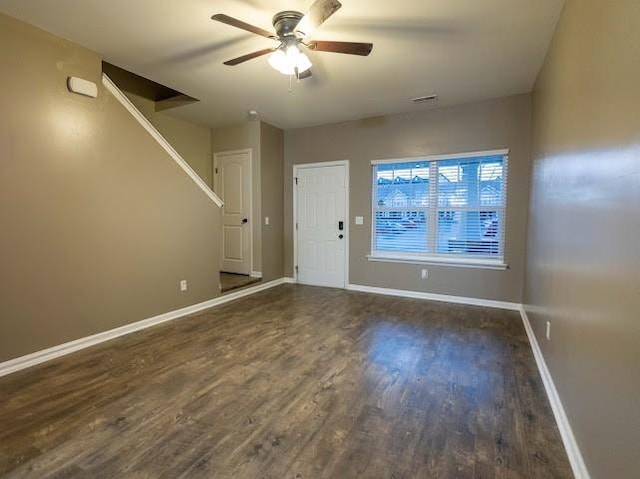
[(234, 186), (321, 216)]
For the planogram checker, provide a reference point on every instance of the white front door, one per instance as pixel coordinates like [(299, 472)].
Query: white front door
[(234, 186), (321, 216)]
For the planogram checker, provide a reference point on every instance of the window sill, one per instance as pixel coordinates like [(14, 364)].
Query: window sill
[(439, 261)]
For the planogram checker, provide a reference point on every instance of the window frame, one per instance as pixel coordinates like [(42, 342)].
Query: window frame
[(432, 212)]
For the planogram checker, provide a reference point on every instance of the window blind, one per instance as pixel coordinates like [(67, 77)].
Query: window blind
[(449, 207)]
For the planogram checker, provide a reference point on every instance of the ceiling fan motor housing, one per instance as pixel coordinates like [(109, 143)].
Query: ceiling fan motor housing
[(285, 23)]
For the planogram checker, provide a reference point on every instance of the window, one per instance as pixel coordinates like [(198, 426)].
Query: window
[(445, 209)]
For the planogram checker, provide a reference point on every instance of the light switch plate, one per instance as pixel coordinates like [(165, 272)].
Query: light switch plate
[(266, 220), (359, 220)]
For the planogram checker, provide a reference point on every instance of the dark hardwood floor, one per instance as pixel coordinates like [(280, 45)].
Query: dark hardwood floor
[(232, 281), (293, 382)]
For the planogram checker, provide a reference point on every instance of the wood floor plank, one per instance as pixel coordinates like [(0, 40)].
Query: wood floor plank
[(293, 382)]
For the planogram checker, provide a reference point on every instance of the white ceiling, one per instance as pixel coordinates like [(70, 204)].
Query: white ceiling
[(463, 50)]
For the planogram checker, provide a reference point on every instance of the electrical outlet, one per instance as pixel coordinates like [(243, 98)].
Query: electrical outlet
[(548, 331), (266, 220), (424, 274), (359, 220), (183, 285)]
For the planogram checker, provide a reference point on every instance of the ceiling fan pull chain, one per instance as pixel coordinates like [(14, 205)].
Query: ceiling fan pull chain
[(290, 83)]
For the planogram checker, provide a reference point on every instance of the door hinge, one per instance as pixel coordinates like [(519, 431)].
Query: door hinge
[(296, 266), (296, 226), (296, 178), (216, 170)]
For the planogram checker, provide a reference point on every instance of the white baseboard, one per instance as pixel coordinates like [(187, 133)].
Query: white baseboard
[(23, 362), (571, 446), (289, 280), (256, 274), (435, 297)]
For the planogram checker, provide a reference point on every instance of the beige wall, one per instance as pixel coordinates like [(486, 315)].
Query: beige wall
[(240, 137), (191, 141), (99, 225), (583, 267), (501, 123), (272, 158)]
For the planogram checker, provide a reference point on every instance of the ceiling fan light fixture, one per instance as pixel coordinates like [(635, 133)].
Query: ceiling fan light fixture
[(278, 60), (289, 60), (292, 30), (303, 63)]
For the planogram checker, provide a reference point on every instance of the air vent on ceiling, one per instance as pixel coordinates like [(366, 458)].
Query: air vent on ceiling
[(424, 99)]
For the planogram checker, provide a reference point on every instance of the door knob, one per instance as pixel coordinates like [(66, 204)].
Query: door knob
[(245, 220)]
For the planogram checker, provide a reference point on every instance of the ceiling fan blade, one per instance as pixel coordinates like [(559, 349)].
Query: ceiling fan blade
[(248, 56), (349, 48), (234, 22), (317, 15)]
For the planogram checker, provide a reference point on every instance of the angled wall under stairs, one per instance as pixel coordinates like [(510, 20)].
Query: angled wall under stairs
[(155, 101)]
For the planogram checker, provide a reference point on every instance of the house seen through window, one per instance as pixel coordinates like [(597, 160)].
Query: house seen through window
[(450, 207)]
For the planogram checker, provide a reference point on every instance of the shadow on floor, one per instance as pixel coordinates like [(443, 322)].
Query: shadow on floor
[(232, 281)]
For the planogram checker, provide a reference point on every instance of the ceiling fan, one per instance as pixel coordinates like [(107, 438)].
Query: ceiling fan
[(292, 30)]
